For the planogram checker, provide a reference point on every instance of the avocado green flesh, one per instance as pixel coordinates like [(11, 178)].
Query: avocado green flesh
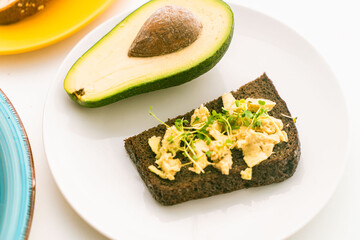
[(105, 73)]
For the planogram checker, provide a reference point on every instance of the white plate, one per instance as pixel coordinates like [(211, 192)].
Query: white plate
[(86, 154)]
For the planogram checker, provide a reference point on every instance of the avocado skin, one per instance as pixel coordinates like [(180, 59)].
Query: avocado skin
[(161, 83)]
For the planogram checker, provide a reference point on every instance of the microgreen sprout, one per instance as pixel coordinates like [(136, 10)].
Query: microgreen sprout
[(261, 102), (293, 118), (193, 161), (152, 114), (208, 153), (229, 142), (254, 119), (247, 114), (171, 139), (196, 119)]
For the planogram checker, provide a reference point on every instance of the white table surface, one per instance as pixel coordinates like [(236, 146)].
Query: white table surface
[(331, 26)]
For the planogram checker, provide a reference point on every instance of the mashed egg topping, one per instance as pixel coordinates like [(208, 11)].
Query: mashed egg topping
[(209, 137)]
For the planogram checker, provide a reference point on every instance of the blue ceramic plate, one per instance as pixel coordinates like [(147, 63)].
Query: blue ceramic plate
[(17, 176)]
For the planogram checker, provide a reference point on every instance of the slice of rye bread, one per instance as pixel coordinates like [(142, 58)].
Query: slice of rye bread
[(189, 185)]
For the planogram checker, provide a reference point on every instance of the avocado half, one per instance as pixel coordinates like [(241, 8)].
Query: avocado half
[(106, 73)]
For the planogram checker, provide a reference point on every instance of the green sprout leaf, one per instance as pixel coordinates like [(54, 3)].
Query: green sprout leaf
[(208, 153), (261, 102), (247, 114), (229, 142), (246, 123), (224, 110), (178, 124), (257, 124), (171, 139)]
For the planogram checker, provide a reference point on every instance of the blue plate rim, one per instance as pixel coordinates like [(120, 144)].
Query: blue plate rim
[(32, 188)]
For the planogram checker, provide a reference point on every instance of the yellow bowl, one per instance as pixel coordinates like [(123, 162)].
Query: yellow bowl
[(57, 21)]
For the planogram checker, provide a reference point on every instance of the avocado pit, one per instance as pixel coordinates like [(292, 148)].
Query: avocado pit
[(167, 30)]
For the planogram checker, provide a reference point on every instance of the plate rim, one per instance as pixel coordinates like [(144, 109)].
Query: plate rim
[(231, 3), (30, 161)]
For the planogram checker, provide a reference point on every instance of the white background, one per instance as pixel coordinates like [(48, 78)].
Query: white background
[(331, 26)]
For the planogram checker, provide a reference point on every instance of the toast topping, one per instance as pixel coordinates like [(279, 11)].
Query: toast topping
[(246, 174), (154, 143), (209, 138)]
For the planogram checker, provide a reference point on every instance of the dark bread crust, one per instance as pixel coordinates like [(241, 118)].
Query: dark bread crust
[(188, 185), (20, 9)]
